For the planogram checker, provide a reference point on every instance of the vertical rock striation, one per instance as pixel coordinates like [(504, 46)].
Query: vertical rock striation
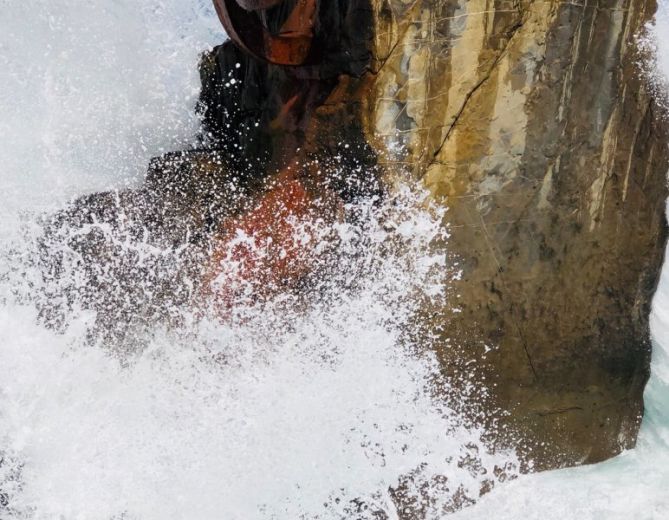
[(530, 121)]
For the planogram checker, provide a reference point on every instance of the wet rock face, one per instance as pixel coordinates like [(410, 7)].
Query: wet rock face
[(530, 122)]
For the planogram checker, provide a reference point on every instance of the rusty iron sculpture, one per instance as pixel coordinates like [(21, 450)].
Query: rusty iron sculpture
[(292, 44)]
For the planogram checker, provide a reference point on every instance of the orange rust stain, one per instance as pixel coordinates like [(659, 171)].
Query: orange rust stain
[(266, 249)]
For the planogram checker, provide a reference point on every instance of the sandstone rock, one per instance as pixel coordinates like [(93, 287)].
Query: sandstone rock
[(530, 122)]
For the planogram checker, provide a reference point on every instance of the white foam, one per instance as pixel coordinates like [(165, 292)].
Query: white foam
[(90, 91)]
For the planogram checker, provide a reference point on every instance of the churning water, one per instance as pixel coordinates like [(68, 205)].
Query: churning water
[(293, 411)]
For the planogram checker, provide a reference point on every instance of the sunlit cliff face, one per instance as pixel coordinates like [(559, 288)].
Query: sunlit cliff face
[(272, 30)]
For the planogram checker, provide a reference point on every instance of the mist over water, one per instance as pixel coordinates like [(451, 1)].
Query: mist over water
[(293, 411)]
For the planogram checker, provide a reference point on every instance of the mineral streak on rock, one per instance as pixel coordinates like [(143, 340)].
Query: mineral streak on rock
[(530, 121), (276, 31)]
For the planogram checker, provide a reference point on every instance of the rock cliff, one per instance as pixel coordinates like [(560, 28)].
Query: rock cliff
[(530, 121)]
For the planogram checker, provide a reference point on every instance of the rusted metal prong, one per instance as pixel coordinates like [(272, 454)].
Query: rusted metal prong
[(257, 5), (292, 45)]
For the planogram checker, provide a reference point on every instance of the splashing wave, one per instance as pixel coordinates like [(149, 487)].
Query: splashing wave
[(298, 408)]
